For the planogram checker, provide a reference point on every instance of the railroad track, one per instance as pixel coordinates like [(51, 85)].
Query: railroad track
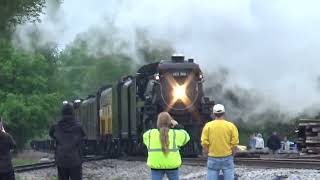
[(36, 166), (255, 162), (279, 163), (44, 165), (264, 162)]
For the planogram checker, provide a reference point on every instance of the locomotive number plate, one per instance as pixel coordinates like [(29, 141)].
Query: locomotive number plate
[(179, 74)]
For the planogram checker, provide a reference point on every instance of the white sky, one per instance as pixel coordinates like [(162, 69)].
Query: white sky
[(271, 46)]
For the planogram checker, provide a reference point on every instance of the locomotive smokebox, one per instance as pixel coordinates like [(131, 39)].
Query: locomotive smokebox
[(177, 58)]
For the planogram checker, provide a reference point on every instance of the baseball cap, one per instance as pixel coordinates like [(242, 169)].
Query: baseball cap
[(218, 108)]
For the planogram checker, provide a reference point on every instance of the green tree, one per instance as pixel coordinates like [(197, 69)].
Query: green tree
[(13, 12), (27, 101), (83, 73), (100, 57)]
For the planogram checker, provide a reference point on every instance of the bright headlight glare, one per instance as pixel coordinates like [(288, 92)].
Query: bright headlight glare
[(157, 77), (179, 92)]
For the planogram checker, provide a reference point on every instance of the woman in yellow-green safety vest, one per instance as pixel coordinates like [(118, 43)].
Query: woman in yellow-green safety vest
[(163, 146)]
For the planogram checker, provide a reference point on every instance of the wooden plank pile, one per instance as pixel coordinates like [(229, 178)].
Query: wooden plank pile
[(309, 136)]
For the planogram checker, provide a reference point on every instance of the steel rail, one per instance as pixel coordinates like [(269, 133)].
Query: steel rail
[(35, 166), (256, 162), (44, 165), (264, 162), (279, 163)]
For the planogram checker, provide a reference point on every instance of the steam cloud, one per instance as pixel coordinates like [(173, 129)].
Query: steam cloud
[(257, 54)]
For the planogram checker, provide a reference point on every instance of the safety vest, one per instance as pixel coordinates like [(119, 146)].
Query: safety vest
[(157, 159)]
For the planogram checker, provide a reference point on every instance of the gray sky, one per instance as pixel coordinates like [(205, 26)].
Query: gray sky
[(269, 46)]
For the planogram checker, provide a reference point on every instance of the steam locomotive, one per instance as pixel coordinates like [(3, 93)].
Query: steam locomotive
[(117, 116)]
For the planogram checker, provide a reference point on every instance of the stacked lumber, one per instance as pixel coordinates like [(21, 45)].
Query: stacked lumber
[(309, 136)]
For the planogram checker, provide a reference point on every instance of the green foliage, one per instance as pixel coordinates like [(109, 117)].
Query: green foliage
[(13, 12), (99, 57), (27, 101), (83, 73)]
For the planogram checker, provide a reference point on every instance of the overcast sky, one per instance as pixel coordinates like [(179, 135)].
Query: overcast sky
[(269, 46)]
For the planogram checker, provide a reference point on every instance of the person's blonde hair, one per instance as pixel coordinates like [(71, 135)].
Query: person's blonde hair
[(164, 123)]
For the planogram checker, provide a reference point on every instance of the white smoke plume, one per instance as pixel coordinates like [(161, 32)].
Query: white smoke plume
[(269, 48)]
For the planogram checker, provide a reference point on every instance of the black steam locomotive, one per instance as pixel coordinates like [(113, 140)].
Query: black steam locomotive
[(117, 116)]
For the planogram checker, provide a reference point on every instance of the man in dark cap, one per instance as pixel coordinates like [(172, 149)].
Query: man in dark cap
[(6, 144), (68, 135)]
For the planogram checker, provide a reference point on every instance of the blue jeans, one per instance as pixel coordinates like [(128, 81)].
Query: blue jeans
[(216, 164), (159, 174)]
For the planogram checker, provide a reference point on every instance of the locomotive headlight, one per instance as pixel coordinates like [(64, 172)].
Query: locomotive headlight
[(179, 92), (77, 101), (157, 77), (201, 76)]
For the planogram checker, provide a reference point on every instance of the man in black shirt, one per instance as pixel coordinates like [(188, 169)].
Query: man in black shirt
[(274, 142), (6, 144), (68, 135)]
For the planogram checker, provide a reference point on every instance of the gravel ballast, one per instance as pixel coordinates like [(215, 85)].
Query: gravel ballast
[(118, 170)]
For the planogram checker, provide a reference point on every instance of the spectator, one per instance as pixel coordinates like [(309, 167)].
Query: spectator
[(259, 142), (252, 141), (274, 143), (163, 146), (7, 143), (219, 140), (286, 144), (68, 135)]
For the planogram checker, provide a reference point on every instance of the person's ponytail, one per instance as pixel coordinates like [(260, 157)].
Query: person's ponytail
[(164, 124), (164, 139)]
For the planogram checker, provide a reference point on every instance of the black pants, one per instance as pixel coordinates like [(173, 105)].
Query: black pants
[(7, 176), (74, 173)]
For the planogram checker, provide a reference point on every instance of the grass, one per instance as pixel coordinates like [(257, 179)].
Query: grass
[(117, 178), (18, 177), (20, 162)]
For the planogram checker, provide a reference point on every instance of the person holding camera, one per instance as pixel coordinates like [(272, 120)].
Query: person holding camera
[(68, 135), (163, 146), (7, 143)]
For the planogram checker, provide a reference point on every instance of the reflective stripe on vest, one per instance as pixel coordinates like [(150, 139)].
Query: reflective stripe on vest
[(174, 149), (185, 138)]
